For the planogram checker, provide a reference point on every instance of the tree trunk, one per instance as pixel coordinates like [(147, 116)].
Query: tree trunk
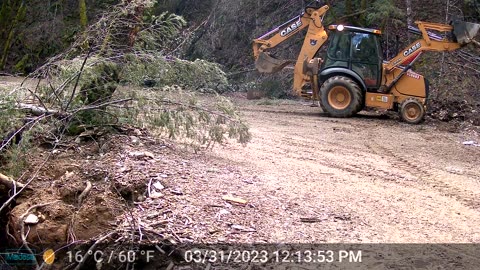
[(10, 36), (348, 10), (82, 7), (137, 18), (363, 16), (409, 16)]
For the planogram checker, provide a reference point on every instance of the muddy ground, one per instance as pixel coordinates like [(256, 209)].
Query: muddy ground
[(307, 178)]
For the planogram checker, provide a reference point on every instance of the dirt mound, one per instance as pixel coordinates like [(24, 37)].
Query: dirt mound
[(54, 198), (131, 189)]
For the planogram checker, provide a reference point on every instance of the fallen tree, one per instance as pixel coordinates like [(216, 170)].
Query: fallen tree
[(80, 91)]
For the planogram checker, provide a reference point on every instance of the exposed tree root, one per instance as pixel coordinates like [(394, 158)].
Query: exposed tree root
[(9, 182), (84, 193), (22, 227)]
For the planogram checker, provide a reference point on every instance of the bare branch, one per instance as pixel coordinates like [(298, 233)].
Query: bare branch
[(92, 248), (78, 79)]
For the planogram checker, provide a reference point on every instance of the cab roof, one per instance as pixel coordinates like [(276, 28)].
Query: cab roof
[(356, 29)]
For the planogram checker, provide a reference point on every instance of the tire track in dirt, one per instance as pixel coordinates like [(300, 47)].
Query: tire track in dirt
[(323, 145), (426, 175), (330, 167), (365, 170), (327, 147)]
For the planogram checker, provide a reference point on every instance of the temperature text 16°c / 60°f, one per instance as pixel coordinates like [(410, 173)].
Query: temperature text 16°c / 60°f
[(125, 256)]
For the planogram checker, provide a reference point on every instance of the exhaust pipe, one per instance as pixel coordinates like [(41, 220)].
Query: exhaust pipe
[(268, 64), (464, 32)]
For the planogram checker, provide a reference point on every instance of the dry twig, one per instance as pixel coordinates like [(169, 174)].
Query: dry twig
[(92, 248), (78, 79)]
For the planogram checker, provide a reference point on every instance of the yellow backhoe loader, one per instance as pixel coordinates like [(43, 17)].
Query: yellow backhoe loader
[(353, 75)]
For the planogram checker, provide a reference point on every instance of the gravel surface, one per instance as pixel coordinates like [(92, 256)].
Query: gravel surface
[(363, 179)]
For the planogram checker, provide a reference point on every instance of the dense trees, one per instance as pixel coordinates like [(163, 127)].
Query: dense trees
[(219, 30)]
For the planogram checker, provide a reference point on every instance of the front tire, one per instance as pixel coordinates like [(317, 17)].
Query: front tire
[(341, 97)]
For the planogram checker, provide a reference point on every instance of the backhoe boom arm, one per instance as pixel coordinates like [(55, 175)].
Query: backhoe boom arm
[(428, 42), (288, 29), (315, 37)]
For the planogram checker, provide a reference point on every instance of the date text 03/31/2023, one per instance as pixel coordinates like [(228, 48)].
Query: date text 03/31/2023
[(276, 256)]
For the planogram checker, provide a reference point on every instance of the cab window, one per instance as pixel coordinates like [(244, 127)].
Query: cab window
[(338, 53), (365, 58), (364, 48), (339, 48)]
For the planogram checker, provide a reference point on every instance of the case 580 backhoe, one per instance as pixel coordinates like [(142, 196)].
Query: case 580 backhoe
[(353, 75)]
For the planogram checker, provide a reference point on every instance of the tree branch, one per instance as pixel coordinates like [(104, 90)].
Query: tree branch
[(39, 111), (92, 107), (353, 14), (166, 101), (78, 79), (464, 66)]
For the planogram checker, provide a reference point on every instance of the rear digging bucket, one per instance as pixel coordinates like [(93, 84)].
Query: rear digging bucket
[(267, 64), (465, 31)]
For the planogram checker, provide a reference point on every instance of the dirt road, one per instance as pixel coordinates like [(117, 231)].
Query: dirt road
[(364, 179)]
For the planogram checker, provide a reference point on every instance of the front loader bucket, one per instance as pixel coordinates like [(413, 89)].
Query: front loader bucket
[(465, 31), (267, 64)]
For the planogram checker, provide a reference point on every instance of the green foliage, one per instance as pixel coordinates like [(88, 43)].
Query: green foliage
[(272, 87), (384, 12), (133, 26), (10, 117), (99, 82), (277, 85), (160, 31), (365, 13), (199, 75), (24, 65), (96, 85), (187, 117), (168, 110), (16, 155), (13, 152)]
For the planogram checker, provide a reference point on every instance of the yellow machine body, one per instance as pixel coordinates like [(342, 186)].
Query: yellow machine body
[(338, 85)]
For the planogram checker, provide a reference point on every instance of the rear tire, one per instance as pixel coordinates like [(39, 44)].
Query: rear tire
[(341, 97), (412, 111)]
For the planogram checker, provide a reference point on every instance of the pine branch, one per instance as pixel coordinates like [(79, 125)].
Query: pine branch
[(170, 102)]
